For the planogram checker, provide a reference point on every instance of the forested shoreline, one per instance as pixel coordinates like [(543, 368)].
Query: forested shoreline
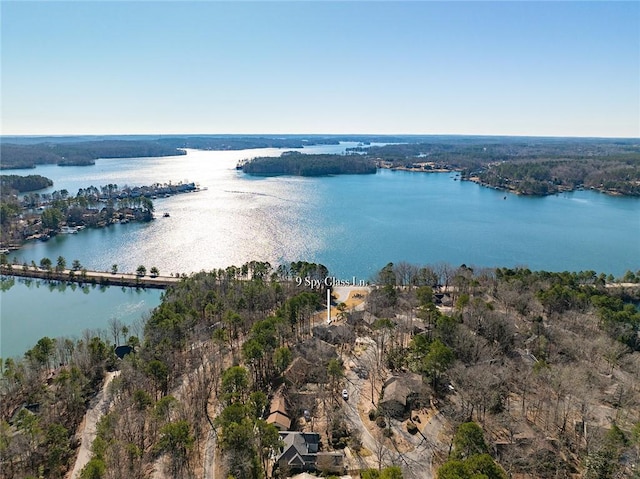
[(299, 164), (533, 373), (523, 165), (13, 184), (78, 153), (536, 166), (72, 151)]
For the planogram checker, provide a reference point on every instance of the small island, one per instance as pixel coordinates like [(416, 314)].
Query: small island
[(298, 164)]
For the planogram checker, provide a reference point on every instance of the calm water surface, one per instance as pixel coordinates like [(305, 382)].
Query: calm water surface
[(352, 224), (32, 309)]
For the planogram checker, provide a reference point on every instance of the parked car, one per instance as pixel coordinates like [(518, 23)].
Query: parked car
[(345, 394)]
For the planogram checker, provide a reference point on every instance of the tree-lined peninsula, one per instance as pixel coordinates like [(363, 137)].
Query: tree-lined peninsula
[(528, 166), (13, 184), (78, 153)]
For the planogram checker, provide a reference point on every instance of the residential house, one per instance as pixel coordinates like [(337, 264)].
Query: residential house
[(278, 414), (402, 393), (301, 453)]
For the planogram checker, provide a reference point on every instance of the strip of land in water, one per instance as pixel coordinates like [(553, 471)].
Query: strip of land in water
[(90, 277)]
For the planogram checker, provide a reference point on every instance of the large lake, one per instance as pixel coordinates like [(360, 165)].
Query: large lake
[(352, 224)]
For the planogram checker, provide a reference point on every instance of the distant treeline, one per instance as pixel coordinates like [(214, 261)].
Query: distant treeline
[(615, 175), (22, 153), (525, 165), (534, 166), (82, 153), (298, 164), (21, 184), (222, 143), (235, 141), (470, 152)]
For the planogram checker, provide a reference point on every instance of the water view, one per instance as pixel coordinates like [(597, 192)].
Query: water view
[(354, 224), (32, 309), (484, 135)]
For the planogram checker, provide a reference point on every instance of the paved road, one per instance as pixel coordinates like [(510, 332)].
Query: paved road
[(354, 385), (416, 463)]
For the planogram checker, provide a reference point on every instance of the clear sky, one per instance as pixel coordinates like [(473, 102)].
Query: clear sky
[(502, 68)]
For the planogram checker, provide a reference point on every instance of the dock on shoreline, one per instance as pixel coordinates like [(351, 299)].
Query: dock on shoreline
[(103, 278)]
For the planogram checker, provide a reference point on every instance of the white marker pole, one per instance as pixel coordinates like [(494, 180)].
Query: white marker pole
[(328, 306)]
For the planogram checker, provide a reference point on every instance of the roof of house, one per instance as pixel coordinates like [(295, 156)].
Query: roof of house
[(297, 370), (279, 420), (334, 334), (314, 348), (398, 388), (278, 412), (396, 391), (300, 449), (411, 380), (278, 404)]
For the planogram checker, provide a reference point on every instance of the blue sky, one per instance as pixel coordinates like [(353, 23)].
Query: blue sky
[(502, 68)]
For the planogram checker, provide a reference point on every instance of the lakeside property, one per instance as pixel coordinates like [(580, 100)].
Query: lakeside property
[(523, 165), (433, 217), (406, 358), (40, 216)]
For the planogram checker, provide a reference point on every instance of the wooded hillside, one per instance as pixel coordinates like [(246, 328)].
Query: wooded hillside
[(534, 374)]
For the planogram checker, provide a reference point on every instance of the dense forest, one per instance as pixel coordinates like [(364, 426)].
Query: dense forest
[(12, 184), (616, 175), (464, 152), (522, 372), (298, 164)]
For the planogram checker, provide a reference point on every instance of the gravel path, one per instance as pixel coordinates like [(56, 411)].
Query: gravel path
[(99, 406)]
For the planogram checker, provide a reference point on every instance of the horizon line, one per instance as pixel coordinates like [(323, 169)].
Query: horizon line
[(478, 135)]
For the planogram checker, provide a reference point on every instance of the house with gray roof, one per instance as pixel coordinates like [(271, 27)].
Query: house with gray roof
[(301, 453)]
